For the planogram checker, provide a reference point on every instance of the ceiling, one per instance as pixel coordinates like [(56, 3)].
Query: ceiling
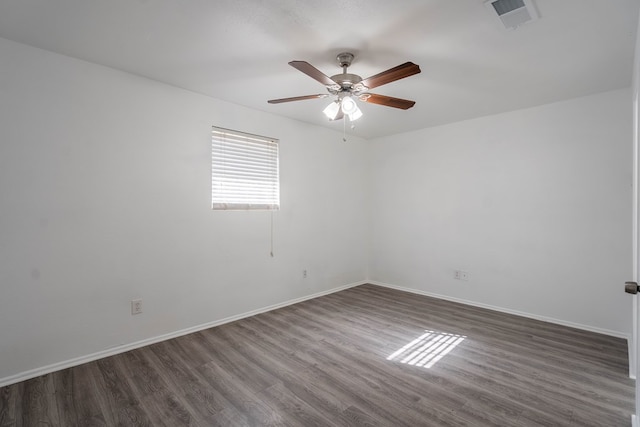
[(238, 50)]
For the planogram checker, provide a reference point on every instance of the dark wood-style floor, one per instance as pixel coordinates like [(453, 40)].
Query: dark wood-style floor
[(364, 356)]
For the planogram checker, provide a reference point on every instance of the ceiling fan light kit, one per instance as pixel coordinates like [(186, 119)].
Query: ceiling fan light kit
[(347, 87)]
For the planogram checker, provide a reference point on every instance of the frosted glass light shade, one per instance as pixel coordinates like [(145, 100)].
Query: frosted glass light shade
[(350, 108), (332, 110), (348, 105), (355, 115)]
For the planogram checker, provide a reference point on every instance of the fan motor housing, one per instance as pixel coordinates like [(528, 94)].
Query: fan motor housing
[(346, 79)]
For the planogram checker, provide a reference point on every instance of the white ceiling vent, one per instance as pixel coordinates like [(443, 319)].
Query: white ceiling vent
[(512, 13)]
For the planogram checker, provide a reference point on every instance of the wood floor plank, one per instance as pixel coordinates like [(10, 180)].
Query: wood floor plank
[(77, 397), (231, 355), (296, 410), (365, 356), (179, 376), (11, 405), (365, 385), (229, 416), (119, 404), (167, 409), (299, 381), (143, 378), (357, 417), (240, 395), (39, 405)]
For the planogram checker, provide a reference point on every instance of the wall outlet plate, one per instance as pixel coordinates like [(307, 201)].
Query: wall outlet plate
[(461, 275), (136, 306)]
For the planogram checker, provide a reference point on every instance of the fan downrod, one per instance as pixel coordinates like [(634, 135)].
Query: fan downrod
[(346, 82)]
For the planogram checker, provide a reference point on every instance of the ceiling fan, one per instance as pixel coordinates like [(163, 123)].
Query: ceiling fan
[(345, 87)]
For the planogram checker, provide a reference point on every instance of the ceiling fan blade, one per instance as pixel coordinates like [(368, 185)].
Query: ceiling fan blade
[(312, 72), (297, 98), (387, 101), (391, 75)]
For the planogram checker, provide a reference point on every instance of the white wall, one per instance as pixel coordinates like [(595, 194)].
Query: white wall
[(105, 197), (534, 204), (105, 194)]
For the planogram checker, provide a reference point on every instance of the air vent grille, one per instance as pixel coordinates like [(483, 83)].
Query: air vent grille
[(506, 6), (512, 13)]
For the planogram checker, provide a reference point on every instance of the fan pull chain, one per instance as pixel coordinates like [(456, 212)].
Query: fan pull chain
[(344, 129)]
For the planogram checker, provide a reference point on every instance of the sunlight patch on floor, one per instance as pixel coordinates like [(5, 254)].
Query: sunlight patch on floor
[(426, 350)]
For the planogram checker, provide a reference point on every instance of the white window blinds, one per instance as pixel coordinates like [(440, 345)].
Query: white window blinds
[(244, 171)]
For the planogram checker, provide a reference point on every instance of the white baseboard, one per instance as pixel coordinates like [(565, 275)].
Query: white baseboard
[(23, 376), (508, 311)]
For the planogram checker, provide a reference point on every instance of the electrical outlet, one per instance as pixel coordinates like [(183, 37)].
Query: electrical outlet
[(136, 306), (304, 274), (461, 275)]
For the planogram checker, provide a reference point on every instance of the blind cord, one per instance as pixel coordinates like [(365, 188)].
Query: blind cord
[(271, 253)]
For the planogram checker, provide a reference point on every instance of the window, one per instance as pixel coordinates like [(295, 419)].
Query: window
[(244, 171)]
